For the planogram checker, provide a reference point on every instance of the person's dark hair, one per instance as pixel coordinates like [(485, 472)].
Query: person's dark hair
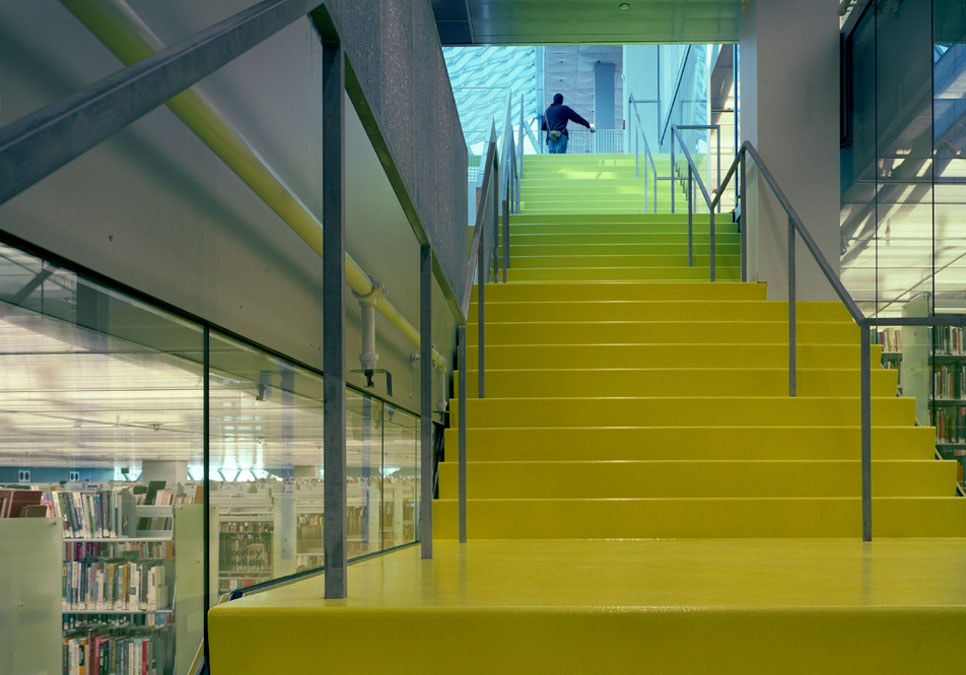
[(557, 99)]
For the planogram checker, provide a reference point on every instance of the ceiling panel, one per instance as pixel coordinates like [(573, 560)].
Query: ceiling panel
[(544, 22)]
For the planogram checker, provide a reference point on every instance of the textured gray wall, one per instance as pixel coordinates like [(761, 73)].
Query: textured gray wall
[(394, 49)]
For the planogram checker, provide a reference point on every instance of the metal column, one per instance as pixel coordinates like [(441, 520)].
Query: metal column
[(865, 369), (461, 337), (426, 400), (792, 343), (743, 222), (333, 315), (690, 215)]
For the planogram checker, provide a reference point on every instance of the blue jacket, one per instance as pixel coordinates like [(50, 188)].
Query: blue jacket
[(555, 119)]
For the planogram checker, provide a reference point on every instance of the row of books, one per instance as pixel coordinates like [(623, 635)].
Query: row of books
[(950, 423), (118, 548), (949, 381), (240, 552), (73, 622), (890, 339), (950, 339), (101, 514), (95, 584), (112, 653)]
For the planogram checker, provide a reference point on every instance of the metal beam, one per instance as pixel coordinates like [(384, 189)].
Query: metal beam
[(426, 401), (333, 316), (38, 144)]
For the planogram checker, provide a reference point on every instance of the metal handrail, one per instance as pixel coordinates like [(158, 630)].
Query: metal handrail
[(717, 130), (797, 226), (647, 155), (692, 174)]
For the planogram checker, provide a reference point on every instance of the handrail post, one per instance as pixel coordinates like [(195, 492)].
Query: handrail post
[(717, 132), (711, 240), (690, 215), (426, 401), (792, 366), (506, 238), (743, 222), (461, 337), (645, 174), (672, 171), (480, 301), (865, 368)]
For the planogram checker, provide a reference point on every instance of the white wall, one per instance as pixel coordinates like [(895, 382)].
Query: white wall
[(789, 98)]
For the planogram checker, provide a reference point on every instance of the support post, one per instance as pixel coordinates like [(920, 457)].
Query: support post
[(743, 223), (792, 318), (426, 401), (865, 368), (480, 303), (333, 316), (506, 238), (461, 337), (711, 243), (690, 215), (671, 180)]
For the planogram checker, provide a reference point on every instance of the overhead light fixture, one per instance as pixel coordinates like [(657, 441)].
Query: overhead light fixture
[(624, 5)]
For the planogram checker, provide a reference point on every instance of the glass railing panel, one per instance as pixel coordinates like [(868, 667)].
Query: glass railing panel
[(265, 468)]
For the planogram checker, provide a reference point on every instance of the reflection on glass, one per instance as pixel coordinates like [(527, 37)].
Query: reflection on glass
[(265, 464), (101, 419), (400, 478)]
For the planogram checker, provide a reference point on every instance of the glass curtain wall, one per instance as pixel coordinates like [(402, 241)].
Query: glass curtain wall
[(903, 194), (105, 492)]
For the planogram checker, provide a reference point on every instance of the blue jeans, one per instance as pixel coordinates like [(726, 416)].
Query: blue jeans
[(558, 147)]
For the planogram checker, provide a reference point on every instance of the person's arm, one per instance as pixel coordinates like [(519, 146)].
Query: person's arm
[(577, 119), (543, 122)]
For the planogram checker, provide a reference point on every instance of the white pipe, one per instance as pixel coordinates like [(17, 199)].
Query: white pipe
[(123, 32)]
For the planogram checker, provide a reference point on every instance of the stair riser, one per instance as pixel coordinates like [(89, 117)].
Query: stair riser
[(644, 291), (667, 356), (620, 382), (497, 312), (696, 333), (700, 518), (623, 273), (649, 220), (673, 260), (523, 251), (735, 478), (773, 411), (616, 235), (691, 441)]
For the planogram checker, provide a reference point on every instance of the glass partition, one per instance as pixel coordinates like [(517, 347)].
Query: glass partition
[(103, 478), (101, 418)]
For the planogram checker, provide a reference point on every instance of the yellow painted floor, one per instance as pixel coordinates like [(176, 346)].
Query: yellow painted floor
[(795, 607), (737, 573)]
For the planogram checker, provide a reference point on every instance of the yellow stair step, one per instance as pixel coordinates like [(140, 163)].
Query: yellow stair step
[(657, 310), (687, 332), (683, 273), (697, 478), (810, 356), (675, 382), (620, 290), (710, 517), (693, 440), (676, 411)]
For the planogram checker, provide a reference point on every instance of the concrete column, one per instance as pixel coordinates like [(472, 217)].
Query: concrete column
[(604, 109), (789, 89)]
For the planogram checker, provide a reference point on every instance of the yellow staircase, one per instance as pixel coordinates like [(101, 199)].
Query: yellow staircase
[(643, 494)]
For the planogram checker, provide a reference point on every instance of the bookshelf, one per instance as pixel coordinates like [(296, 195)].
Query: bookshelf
[(132, 577)]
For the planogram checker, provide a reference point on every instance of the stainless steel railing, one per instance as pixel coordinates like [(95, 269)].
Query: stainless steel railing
[(796, 228), (499, 196), (637, 133)]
